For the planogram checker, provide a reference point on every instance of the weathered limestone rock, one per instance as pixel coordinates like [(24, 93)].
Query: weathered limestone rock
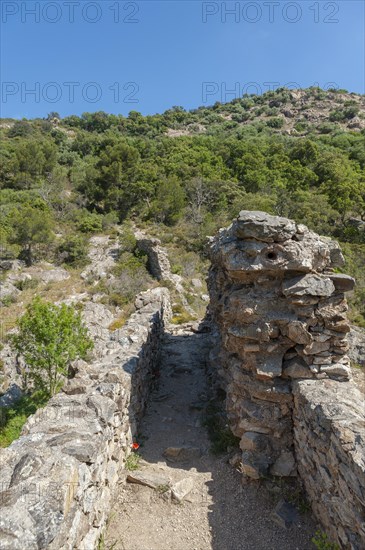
[(356, 339), (103, 254), (182, 488), (149, 479), (263, 227), (51, 274), (285, 514), (158, 260)]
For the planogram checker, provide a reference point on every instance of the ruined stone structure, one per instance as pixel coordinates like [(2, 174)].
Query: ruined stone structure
[(58, 478), (280, 316), (159, 265)]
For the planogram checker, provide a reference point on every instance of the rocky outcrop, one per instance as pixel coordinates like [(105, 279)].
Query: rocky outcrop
[(279, 312), (103, 255), (58, 478), (8, 291)]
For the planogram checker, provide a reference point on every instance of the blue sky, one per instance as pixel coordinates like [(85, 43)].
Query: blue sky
[(119, 56)]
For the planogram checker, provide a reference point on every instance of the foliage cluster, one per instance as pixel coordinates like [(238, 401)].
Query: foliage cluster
[(49, 338), (79, 175)]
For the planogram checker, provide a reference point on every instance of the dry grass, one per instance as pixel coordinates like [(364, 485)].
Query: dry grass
[(52, 292)]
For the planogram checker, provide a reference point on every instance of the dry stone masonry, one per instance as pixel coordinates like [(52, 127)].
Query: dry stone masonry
[(329, 430), (58, 478), (279, 310), (159, 265)]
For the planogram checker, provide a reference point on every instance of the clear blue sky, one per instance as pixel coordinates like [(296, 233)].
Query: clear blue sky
[(168, 53)]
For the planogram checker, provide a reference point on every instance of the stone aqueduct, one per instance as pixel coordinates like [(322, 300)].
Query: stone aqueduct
[(278, 318)]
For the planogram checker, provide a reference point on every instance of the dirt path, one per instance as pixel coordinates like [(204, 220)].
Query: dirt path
[(217, 511)]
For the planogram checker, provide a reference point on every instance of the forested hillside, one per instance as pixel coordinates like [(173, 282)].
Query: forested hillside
[(299, 154)]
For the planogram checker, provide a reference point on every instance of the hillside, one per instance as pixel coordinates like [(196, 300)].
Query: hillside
[(183, 174), (292, 112), (104, 290)]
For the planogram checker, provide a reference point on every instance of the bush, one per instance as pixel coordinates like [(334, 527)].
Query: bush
[(180, 315), (110, 219), (301, 126), (347, 113), (131, 278), (12, 419), (275, 122), (127, 240), (73, 251), (326, 128), (322, 542), (90, 222), (50, 337), (27, 284)]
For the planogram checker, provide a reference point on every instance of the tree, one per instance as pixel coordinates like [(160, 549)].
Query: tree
[(31, 228), (50, 337), (52, 115), (169, 203), (73, 250), (34, 159), (21, 128)]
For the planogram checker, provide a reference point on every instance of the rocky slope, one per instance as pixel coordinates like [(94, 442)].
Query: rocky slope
[(293, 112)]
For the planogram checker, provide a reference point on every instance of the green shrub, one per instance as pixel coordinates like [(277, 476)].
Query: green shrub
[(326, 128), (301, 126), (27, 284), (341, 115), (50, 337), (12, 419), (127, 240), (109, 220), (73, 251), (132, 462), (90, 222), (275, 122), (322, 542), (8, 300)]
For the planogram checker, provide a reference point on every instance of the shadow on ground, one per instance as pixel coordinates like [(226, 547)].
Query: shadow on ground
[(219, 513)]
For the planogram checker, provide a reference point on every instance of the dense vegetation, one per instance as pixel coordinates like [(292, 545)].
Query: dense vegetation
[(289, 153)]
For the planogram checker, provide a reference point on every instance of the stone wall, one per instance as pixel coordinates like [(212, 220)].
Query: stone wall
[(159, 265), (357, 346), (279, 312), (329, 430), (58, 478)]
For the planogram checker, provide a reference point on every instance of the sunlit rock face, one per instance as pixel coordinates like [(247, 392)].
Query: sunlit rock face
[(280, 312)]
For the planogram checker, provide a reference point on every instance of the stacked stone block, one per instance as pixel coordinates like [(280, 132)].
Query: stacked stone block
[(280, 311)]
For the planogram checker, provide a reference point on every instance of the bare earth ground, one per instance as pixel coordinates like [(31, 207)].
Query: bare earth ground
[(219, 513)]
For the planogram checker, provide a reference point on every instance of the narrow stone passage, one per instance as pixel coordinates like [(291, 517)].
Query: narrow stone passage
[(183, 497)]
